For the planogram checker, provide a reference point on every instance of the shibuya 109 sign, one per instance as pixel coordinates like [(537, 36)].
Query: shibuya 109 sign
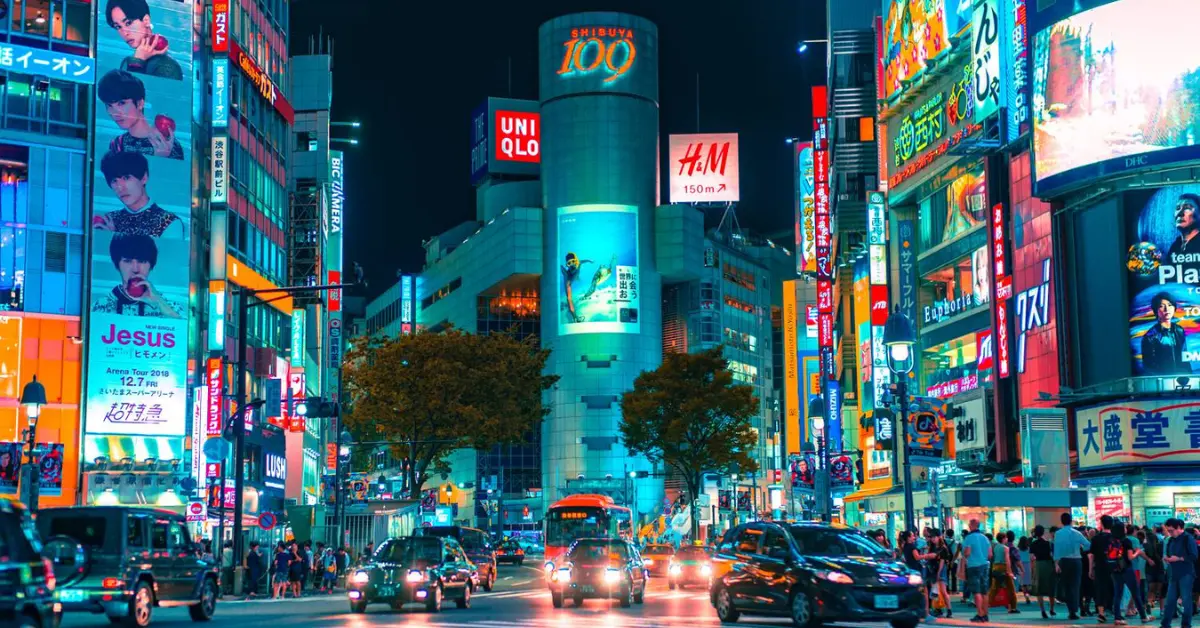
[(608, 51)]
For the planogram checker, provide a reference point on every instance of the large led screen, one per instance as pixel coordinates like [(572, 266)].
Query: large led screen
[(1164, 280), (598, 269), (137, 343), (1115, 89), (915, 34)]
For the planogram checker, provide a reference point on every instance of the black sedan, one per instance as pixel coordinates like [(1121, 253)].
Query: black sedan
[(598, 568), (413, 570), (813, 574)]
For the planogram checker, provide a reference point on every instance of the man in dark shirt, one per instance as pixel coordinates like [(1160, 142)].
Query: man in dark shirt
[(1180, 554), (127, 175), (1164, 342), (1101, 567), (131, 19)]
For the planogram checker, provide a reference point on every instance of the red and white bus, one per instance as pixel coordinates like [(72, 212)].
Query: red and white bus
[(584, 517)]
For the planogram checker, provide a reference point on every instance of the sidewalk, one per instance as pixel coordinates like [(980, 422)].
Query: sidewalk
[(1031, 615)]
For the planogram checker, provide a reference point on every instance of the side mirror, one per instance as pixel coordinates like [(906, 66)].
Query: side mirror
[(68, 557)]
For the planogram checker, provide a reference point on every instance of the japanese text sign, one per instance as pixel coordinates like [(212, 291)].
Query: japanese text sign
[(1001, 277), (220, 93), (907, 232), (985, 59), (218, 192), (1138, 433), (59, 65), (220, 26), (216, 394), (262, 81), (806, 218)]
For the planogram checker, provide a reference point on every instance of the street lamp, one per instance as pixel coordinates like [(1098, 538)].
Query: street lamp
[(816, 410), (33, 397), (899, 338)]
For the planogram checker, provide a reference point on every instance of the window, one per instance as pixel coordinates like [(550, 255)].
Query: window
[(774, 543), (158, 534), (135, 535), (747, 542), (177, 537)]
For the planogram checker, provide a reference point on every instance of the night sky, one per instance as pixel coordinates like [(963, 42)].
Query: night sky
[(413, 72)]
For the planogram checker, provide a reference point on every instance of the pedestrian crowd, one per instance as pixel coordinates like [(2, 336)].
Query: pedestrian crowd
[(1113, 572), (292, 568)]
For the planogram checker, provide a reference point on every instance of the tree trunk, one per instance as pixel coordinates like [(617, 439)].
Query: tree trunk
[(694, 503)]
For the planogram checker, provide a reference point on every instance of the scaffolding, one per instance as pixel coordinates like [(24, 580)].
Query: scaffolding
[(304, 240)]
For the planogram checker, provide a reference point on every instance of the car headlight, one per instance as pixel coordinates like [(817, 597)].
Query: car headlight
[(915, 580), (361, 577), (612, 575), (414, 576), (836, 577), (706, 570), (675, 570), (561, 575)]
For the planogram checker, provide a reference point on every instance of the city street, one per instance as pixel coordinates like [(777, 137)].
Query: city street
[(519, 601)]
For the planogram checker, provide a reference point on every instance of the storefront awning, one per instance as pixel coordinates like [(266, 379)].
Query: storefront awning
[(861, 495), (981, 497)]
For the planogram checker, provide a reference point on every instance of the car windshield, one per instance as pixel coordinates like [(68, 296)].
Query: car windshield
[(410, 550), (512, 545), (598, 552), (835, 543), (658, 549), (691, 553)]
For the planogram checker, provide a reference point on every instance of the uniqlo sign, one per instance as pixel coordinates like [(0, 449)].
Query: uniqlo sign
[(216, 390), (518, 136), (879, 305), (220, 26)]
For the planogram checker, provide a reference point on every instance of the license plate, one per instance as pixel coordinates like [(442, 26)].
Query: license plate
[(887, 601), (71, 595), (588, 588), (386, 591)]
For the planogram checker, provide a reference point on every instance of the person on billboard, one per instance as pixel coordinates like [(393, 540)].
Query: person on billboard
[(10, 464), (131, 20), (124, 98), (1187, 221), (570, 272), (127, 175), (135, 256), (1162, 344)]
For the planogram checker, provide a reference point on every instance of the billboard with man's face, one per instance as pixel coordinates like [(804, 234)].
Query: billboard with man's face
[(142, 196), (1163, 261)]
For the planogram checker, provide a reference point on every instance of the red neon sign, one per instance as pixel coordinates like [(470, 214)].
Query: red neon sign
[(216, 392), (518, 136), (220, 26), (335, 295), (265, 85), (613, 48), (1002, 279), (879, 305)]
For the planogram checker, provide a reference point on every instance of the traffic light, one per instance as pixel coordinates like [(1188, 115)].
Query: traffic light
[(639, 474), (317, 408), (858, 468), (777, 476)]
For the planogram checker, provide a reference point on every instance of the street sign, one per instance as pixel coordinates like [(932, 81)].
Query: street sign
[(929, 511), (196, 512), (267, 521)]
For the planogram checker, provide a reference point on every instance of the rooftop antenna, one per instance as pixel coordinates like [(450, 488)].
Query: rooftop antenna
[(697, 102)]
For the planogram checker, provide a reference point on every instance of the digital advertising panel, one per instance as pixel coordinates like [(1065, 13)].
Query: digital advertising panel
[(928, 127), (1112, 94), (1036, 347), (1163, 280), (599, 286), (704, 168), (142, 197), (915, 34), (806, 218)]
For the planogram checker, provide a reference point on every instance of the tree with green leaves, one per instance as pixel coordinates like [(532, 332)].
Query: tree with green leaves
[(689, 415), (429, 394)]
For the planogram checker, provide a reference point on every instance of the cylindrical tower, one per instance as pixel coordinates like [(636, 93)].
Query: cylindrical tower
[(601, 313)]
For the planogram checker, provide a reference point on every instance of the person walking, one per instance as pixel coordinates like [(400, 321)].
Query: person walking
[(1155, 569), (282, 562), (1068, 563), (1043, 583), (976, 556), (1102, 558), (329, 577), (295, 568), (939, 566), (952, 569), (255, 565), (1121, 555), (1180, 555), (1002, 574)]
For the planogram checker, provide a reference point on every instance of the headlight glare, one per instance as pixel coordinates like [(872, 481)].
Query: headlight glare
[(836, 577), (675, 570), (612, 575), (361, 577), (706, 570), (414, 576), (915, 580)]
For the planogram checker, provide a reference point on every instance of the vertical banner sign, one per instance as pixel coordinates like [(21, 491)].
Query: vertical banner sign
[(296, 392), (214, 396), (335, 294), (199, 431), (216, 301), (298, 338), (220, 26), (1018, 73), (985, 59), (142, 201), (335, 342), (880, 373), (220, 93), (823, 251), (1003, 288), (833, 430), (907, 254), (806, 219), (220, 173), (791, 366), (406, 305)]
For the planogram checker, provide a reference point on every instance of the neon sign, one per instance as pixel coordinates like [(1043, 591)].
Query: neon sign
[(598, 49), (262, 81)]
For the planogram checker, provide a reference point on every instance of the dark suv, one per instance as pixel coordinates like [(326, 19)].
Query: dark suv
[(814, 574), (27, 577), (137, 559), (476, 544)]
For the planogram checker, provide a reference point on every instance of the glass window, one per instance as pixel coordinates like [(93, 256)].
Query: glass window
[(36, 17), (76, 24), (774, 543), (135, 535), (177, 537), (747, 541), (158, 535), (827, 542)]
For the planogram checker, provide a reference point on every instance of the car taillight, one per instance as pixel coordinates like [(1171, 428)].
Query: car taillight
[(50, 580), (111, 583)]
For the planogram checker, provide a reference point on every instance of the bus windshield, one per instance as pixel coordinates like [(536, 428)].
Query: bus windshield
[(564, 525)]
